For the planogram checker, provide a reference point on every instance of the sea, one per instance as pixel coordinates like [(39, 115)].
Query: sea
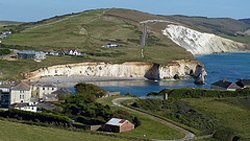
[(226, 66)]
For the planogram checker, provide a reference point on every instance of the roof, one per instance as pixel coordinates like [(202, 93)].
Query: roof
[(22, 86), (116, 121), (226, 84), (243, 82), (61, 91)]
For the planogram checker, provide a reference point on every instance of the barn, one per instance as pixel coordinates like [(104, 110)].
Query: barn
[(118, 125)]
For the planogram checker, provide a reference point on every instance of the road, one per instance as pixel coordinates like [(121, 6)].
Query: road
[(188, 135)]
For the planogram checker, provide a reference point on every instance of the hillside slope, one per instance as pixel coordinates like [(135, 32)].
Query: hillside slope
[(89, 30)]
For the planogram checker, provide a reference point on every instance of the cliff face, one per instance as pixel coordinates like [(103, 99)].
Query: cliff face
[(125, 70), (201, 43)]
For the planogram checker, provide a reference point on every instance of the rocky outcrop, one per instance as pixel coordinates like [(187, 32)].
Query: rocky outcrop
[(201, 43), (126, 70)]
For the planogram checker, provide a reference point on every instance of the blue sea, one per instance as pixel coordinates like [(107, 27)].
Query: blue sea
[(229, 66)]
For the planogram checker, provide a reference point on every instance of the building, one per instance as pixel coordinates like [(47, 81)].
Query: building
[(29, 54), (110, 45), (118, 125), (26, 107), (74, 53), (4, 99), (243, 83), (225, 85), (40, 90), (20, 93)]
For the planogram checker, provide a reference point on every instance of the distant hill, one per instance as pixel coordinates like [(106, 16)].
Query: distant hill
[(247, 21), (5, 23), (219, 26)]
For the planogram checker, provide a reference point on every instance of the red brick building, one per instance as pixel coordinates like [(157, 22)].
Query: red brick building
[(118, 125)]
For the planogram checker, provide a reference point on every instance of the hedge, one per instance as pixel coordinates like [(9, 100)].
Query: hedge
[(57, 120)]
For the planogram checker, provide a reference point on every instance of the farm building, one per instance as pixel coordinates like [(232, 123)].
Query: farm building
[(118, 125)]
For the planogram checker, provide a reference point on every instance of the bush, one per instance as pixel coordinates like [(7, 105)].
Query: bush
[(224, 135), (4, 52)]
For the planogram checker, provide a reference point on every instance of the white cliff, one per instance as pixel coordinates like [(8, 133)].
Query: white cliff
[(201, 43), (125, 70)]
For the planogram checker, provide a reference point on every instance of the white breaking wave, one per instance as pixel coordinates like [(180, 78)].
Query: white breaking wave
[(201, 43)]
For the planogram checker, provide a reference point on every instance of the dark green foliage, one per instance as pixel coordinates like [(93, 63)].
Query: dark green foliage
[(178, 111), (4, 52), (89, 90), (57, 120), (197, 93), (224, 135)]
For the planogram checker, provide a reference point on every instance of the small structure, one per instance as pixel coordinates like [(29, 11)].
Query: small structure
[(31, 107), (61, 93), (29, 54), (243, 83), (113, 94), (74, 53), (4, 99), (20, 93), (110, 45), (118, 125), (4, 35), (225, 85)]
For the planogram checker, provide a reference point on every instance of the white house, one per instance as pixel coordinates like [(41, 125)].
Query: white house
[(41, 90), (75, 53), (20, 93)]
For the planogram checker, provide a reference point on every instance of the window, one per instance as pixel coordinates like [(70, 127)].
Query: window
[(43, 88), (48, 88), (52, 89), (20, 96)]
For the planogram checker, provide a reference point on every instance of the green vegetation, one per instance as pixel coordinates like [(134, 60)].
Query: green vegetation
[(231, 113), (178, 111), (151, 128), (199, 93), (4, 52), (11, 131)]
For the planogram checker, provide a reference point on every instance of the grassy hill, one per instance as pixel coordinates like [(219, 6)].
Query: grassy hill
[(89, 30)]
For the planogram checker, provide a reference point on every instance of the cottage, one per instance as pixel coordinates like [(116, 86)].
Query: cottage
[(118, 125), (20, 93), (225, 85), (25, 107), (74, 53), (243, 83)]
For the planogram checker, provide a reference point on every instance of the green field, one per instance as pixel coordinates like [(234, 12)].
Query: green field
[(12, 131), (232, 113), (152, 129)]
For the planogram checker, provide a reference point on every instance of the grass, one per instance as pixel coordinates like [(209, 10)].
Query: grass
[(148, 127), (88, 31), (232, 113), (11, 131)]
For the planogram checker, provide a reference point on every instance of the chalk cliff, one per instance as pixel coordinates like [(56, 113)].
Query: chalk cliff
[(126, 70), (201, 43)]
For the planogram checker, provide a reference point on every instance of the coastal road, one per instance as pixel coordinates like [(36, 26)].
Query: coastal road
[(188, 135)]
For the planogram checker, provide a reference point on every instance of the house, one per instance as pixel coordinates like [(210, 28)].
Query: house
[(225, 85), (243, 83), (118, 125), (20, 93), (50, 98), (110, 45), (61, 93), (40, 90), (25, 107), (74, 53), (29, 54)]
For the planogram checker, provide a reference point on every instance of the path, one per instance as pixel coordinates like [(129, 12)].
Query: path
[(188, 134)]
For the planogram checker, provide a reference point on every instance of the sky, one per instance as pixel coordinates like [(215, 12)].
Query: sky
[(34, 10)]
